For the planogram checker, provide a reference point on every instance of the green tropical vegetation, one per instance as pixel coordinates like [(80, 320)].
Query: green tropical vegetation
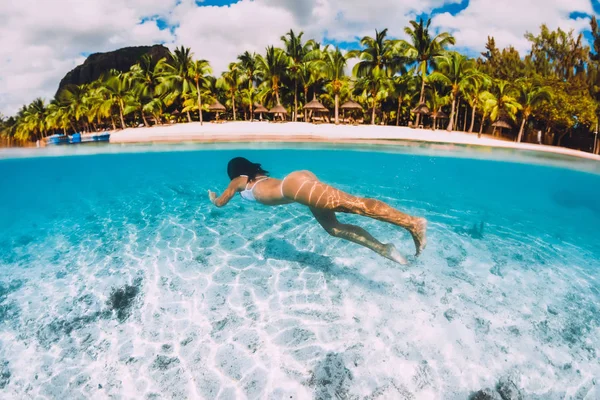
[(554, 88)]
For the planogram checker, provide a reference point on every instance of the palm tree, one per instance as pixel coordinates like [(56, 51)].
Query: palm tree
[(377, 53), (155, 107), (487, 102), (249, 96), (230, 81), (73, 97), (249, 65), (273, 66), (531, 96), (423, 48), (118, 91), (333, 66), (175, 82), (145, 74), (472, 93), (503, 101), (374, 87), (296, 52), (145, 77), (35, 117), (404, 89), (456, 71), (379, 60), (7, 128), (436, 100), (198, 72)]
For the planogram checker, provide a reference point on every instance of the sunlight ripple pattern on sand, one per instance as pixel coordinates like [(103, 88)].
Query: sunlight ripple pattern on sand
[(119, 278)]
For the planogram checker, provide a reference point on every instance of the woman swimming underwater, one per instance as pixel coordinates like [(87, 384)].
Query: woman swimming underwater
[(254, 184)]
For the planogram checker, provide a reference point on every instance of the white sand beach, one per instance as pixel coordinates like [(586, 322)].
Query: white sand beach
[(306, 132)]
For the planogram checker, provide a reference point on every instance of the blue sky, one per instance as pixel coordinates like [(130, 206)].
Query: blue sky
[(36, 52)]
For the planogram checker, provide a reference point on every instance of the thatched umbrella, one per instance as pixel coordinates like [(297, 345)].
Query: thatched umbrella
[(259, 108), (437, 115), (278, 109), (315, 106), (350, 105), (441, 115), (421, 109), (217, 108), (501, 124)]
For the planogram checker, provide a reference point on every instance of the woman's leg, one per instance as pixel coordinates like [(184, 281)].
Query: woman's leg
[(355, 234), (304, 188)]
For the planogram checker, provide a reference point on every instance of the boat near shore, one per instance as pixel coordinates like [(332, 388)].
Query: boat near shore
[(78, 138)]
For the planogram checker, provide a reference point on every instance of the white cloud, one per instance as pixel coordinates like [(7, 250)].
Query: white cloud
[(508, 21), (41, 41), (220, 34)]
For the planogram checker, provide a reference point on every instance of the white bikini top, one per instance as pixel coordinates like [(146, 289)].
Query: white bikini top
[(248, 194)]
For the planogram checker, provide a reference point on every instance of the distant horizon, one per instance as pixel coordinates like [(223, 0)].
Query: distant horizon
[(36, 53)]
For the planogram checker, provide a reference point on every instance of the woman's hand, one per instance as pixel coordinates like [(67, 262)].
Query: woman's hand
[(212, 196)]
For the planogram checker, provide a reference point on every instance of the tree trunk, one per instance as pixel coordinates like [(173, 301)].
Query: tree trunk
[(434, 122), (481, 127), (121, 113), (473, 119), (296, 100), (466, 115), (112, 120), (398, 112), (522, 129), (189, 116), (251, 111), (199, 101), (451, 121), (144, 118), (373, 113), (337, 111), (561, 137), (422, 96), (305, 101), (233, 106), (456, 114)]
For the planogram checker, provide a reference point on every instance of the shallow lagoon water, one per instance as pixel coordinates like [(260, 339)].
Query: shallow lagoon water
[(119, 278)]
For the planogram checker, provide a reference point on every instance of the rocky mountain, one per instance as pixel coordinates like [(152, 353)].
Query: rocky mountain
[(98, 63)]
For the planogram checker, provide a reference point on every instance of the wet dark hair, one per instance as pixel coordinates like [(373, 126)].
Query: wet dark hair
[(241, 166)]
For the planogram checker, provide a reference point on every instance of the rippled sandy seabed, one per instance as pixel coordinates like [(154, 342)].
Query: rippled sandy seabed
[(119, 279)]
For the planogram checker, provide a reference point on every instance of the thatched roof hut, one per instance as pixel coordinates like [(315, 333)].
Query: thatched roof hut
[(500, 123), (259, 108), (217, 107), (316, 105), (351, 105), (278, 109), (440, 115), (421, 109)]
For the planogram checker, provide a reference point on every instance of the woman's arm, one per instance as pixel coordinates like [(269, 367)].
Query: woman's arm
[(235, 186)]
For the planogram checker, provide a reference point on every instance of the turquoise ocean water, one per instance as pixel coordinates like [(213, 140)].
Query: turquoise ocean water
[(119, 278)]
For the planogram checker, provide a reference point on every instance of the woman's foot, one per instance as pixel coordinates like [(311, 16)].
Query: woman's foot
[(419, 234), (392, 253)]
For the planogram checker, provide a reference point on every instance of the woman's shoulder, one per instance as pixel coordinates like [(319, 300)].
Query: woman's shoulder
[(239, 183)]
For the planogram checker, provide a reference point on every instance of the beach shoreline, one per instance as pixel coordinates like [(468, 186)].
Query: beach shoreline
[(302, 132)]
